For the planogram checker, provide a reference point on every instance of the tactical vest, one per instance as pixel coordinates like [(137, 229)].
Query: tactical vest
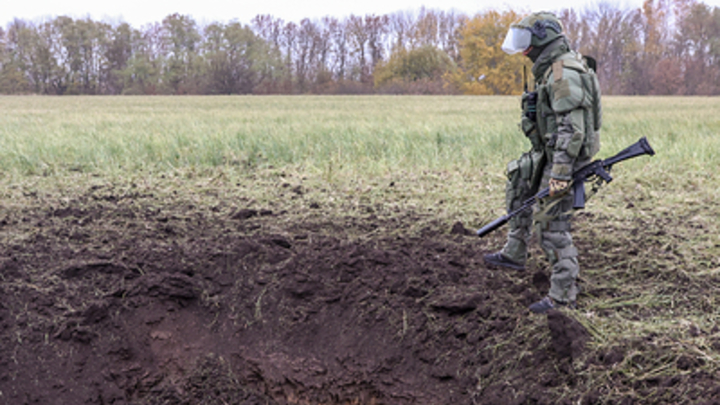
[(570, 84)]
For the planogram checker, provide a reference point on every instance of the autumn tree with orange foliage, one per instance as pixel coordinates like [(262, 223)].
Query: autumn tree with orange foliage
[(484, 68)]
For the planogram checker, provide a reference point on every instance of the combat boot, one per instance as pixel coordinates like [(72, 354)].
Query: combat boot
[(500, 260), (548, 303)]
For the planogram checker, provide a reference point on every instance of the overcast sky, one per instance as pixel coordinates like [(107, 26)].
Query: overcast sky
[(140, 12)]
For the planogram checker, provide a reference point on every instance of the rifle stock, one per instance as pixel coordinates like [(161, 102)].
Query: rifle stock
[(598, 168)]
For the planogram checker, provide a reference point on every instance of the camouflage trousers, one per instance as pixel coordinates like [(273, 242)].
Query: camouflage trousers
[(551, 220)]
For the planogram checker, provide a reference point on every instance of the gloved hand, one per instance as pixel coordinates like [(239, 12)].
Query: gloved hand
[(558, 186)]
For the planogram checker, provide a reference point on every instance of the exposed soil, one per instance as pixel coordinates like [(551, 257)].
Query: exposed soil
[(106, 300)]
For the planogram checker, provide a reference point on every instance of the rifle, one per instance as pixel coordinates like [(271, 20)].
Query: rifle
[(598, 168)]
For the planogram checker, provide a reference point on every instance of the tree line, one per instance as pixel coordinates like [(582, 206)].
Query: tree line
[(665, 47)]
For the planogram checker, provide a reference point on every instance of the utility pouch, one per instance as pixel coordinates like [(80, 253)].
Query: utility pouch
[(593, 118), (544, 112), (529, 105), (523, 177), (529, 128), (516, 186), (591, 86), (528, 122)]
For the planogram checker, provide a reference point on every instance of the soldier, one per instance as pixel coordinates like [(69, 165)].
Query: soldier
[(562, 119)]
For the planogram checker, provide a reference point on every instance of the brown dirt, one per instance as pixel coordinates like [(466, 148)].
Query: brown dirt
[(106, 299)]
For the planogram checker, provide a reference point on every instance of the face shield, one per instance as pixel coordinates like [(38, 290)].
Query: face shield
[(517, 40)]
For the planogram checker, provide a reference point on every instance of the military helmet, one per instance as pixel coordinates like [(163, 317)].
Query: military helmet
[(536, 30), (544, 26)]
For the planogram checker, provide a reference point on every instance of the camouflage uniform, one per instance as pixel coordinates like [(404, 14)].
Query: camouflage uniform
[(564, 132)]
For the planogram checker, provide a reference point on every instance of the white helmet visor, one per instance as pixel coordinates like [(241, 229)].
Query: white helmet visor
[(517, 40)]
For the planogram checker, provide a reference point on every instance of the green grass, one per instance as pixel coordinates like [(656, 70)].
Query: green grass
[(451, 148), (352, 133), (359, 135)]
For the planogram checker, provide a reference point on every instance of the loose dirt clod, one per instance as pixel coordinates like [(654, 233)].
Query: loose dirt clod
[(459, 229)]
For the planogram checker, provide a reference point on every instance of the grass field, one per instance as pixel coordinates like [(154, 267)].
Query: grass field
[(649, 239), (350, 136), (466, 141)]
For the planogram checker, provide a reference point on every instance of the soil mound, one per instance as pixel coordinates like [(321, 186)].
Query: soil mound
[(567, 334)]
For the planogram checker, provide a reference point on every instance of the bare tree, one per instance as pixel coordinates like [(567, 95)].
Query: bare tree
[(359, 36), (340, 48), (377, 28), (401, 27)]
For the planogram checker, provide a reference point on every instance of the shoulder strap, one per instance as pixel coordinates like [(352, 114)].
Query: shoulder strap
[(557, 69)]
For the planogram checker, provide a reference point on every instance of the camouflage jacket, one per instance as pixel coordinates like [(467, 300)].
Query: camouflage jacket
[(568, 110)]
